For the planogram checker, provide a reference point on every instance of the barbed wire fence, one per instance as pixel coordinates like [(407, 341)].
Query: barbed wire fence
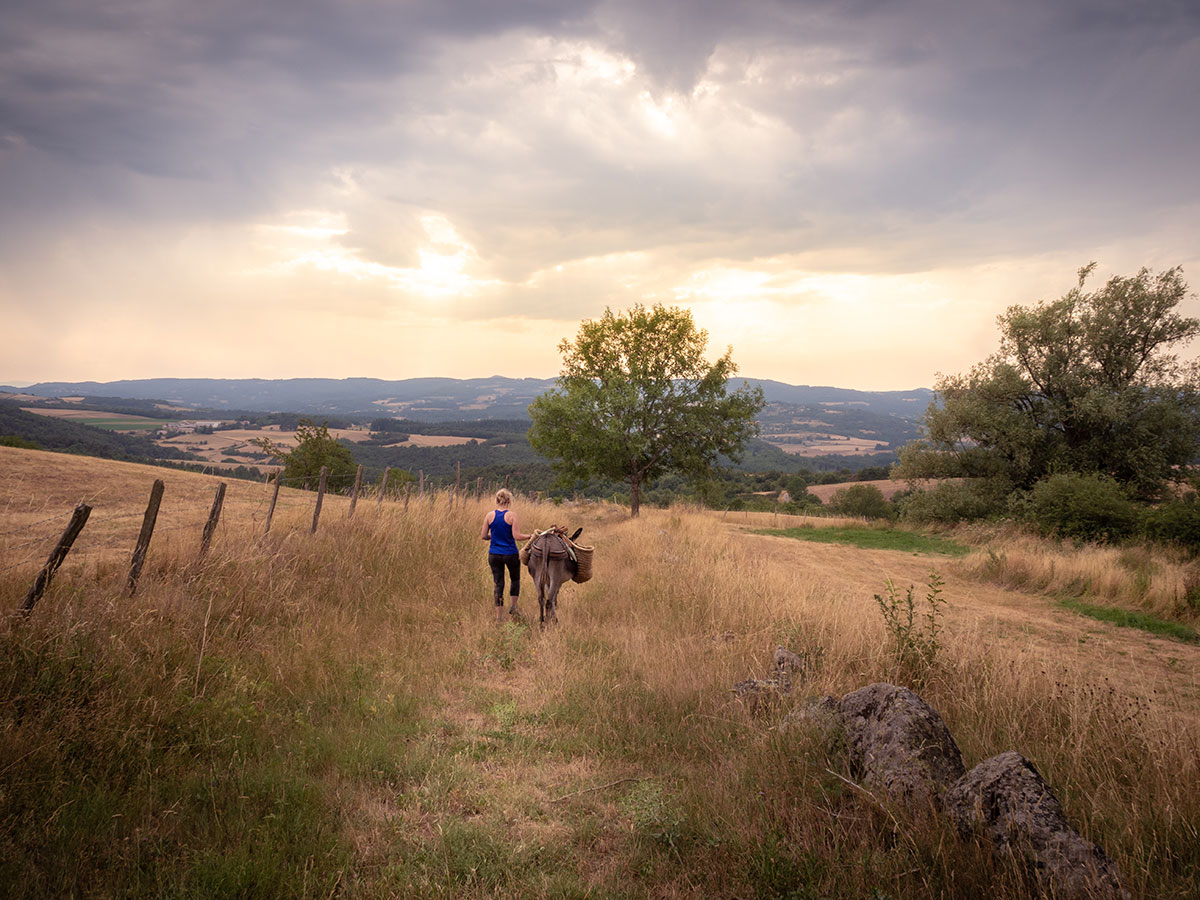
[(409, 491)]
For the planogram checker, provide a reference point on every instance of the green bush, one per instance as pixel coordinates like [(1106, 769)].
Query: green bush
[(15, 440), (864, 500), (1083, 507), (1175, 522), (953, 501)]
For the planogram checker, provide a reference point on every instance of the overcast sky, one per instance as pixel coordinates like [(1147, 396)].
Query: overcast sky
[(846, 191)]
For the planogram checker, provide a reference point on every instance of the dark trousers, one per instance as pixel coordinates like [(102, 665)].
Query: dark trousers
[(498, 563)]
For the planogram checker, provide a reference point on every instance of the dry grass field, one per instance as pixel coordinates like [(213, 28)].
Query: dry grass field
[(38, 491), (338, 714)]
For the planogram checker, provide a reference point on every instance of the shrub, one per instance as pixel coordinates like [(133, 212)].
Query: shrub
[(864, 500), (953, 501), (1175, 522), (15, 440), (1083, 507)]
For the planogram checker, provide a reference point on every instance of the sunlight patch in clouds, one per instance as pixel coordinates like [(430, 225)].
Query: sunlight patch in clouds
[(658, 115), (447, 260), (585, 64)]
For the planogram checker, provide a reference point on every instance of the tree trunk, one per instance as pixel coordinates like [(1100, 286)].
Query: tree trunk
[(635, 496)]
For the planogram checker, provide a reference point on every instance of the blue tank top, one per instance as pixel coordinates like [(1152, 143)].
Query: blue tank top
[(503, 543)]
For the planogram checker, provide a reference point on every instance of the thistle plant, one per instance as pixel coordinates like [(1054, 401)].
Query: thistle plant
[(915, 638)]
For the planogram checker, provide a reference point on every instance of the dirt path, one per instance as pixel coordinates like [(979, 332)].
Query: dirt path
[(1137, 662)]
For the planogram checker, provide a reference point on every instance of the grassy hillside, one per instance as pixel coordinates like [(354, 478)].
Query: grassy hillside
[(337, 715)]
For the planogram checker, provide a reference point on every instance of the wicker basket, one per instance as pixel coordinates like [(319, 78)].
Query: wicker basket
[(583, 563)]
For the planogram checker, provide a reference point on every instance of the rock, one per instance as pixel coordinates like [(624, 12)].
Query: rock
[(758, 693), (1005, 799), (898, 743), (820, 713), (785, 665), (754, 686)]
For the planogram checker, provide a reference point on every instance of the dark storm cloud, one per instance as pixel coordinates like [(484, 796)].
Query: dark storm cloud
[(961, 122), (222, 90)]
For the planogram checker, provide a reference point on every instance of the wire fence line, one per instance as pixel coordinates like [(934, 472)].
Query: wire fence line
[(74, 522), (27, 552), (54, 518)]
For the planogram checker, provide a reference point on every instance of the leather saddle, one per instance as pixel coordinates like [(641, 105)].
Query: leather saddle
[(551, 543)]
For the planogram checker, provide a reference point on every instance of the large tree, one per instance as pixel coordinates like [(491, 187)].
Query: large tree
[(1088, 383), (637, 398)]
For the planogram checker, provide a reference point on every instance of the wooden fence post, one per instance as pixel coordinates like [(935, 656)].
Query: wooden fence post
[(479, 487), (421, 484), (320, 498), (274, 497), (354, 492), (506, 481), (383, 488), (143, 541), (57, 555), (214, 516)]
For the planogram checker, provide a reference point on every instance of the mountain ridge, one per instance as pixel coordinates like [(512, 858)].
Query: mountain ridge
[(426, 398)]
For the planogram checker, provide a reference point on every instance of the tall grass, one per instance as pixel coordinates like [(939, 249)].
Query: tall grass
[(339, 715), (1156, 580)]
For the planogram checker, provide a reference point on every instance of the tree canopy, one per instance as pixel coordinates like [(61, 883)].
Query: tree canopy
[(1088, 383), (637, 399), (315, 447)]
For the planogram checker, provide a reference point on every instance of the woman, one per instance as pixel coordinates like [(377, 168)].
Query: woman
[(500, 527)]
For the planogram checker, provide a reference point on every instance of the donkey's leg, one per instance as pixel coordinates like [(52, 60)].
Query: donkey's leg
[(555, 580), (540, 582)]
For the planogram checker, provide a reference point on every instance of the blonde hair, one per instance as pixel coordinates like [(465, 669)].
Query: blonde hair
[(503, 497)]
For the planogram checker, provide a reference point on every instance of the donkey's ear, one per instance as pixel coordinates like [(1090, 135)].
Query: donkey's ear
[(578, 532)]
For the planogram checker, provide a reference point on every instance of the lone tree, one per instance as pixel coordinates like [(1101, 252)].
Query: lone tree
[(637, 399), (1086, 384), (315, 447)]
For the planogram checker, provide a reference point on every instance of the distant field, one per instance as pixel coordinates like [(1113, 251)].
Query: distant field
[(846, 446), (77, 414), (435, 440), (110, 421), (888, 487), (214, 447), (125, 424)]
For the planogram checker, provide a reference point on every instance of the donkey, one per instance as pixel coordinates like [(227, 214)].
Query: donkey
[(550, 564)]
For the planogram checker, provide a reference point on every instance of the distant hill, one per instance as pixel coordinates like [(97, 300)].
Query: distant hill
[(905, 404), (424, 399)]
